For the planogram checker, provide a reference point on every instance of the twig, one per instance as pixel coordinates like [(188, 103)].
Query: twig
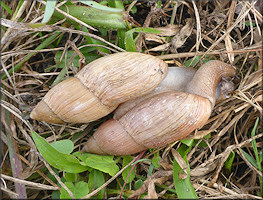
[(37, 185), (191, 54), (56, 176), (11, 194)]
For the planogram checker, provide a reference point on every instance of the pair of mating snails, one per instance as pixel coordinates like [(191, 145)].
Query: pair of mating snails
[(156, 105)]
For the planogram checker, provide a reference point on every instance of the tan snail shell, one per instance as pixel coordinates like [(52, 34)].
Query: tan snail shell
[(100, 87), (163, 118)]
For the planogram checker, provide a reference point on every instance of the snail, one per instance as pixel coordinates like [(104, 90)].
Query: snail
[(163, 118), (98, 88), (176, 80)]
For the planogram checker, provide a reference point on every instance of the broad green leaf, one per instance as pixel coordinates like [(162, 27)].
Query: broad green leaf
[(125, 173), (100, 162), (101, 7), (184, 188), (71, 177), (61, 161), (187, 142), (49, 10), (96, 179), (94, 17), (63, 193), (63, 146), (229, 161), (80, 189)]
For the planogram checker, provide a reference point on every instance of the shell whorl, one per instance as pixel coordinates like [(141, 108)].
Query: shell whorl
[(71, 101), (140, 128), (100, 87)]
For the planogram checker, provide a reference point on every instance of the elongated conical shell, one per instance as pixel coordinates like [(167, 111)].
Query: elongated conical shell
[(159, 120), (70, 101), (100, 86)]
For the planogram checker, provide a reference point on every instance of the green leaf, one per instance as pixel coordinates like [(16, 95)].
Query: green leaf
[(61, 161), (150, 171), (188, 142), (96, 179), (146, 30), (71, 177), (197, 58), (80, 189), (184, 149), (6, 8), (130, 43), (125, 173), (254, 145), (229, 161), (93, 41), (49, 10), (138, 184), (250, 159), (63, 193), (94, 17), (96, 5), (63, 146), (55, 194), (155, 160), (184, 188), (100, 162)]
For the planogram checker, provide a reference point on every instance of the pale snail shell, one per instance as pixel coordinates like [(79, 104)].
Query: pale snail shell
[(100, 87), (163, 118)]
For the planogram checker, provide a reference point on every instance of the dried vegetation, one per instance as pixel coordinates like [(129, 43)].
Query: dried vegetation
[(230, 31)]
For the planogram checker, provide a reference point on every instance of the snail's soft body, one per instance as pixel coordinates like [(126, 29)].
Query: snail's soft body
[(100, 87), (163, 118)]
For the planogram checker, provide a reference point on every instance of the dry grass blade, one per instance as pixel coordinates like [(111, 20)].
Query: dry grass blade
[(29, 183)]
